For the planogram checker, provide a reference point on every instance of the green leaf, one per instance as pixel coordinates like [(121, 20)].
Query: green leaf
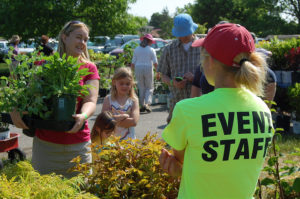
[(272, 161), (267, 181), (296, 185)]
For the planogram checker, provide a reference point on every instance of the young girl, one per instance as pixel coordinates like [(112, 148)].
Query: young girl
[(220, 139), (103, 128), (123, 103)]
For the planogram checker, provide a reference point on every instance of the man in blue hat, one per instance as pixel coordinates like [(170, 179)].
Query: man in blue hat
[(179, 61)]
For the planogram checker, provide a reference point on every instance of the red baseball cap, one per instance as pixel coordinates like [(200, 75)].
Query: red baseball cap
[(225, 41)]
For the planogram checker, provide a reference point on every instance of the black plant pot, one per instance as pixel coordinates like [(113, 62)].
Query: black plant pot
[(64, 107)]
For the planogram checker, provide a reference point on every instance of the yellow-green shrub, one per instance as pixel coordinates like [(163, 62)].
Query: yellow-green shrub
[(21, 181), (129, 169)]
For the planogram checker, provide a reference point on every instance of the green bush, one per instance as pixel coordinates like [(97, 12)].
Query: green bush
[(294, 99), (129, 169), (280, 51), (21, 181)]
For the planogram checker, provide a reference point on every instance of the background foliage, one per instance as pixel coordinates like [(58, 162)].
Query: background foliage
[(32, 18)]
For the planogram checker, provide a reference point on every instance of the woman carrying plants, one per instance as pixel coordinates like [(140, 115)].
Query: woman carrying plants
[(144, 57), (52, 151), (221, 138)]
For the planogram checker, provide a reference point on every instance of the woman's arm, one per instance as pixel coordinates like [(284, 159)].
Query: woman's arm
[(133, 116), (17, 120), (88, 106)]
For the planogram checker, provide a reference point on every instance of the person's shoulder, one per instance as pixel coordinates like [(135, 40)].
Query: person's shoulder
[(89, 64), (173, 43)]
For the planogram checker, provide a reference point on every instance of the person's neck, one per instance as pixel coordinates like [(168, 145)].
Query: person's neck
[(122, 96), (225, 81)]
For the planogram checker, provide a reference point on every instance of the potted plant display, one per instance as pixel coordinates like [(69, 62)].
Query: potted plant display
[(4, 131), (294, 97), (44, 89)]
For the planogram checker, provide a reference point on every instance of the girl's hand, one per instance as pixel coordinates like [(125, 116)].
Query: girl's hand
[(17, 120), (121, 117), (170, 164), (79, 121)]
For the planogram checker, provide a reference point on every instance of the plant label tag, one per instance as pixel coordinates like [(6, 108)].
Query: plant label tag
[(61, 103)]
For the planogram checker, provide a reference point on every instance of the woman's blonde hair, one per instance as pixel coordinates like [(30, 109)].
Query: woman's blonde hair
[(251, 73), (66, 30), (120, 73)]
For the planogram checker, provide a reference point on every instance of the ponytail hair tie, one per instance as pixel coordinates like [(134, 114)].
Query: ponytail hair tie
[(242, 61)]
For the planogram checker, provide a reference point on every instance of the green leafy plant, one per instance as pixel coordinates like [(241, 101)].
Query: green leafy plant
[(3, 126), (280, 50), (38, 79), (281, 180), (22, 181), (129, 169), (294, 99)]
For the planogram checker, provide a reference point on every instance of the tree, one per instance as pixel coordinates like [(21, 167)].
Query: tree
[(162, 21), (32, 18), (256, 15), (292, 8)]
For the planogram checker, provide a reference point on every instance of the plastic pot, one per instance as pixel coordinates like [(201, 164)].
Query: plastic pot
[(64, 107)]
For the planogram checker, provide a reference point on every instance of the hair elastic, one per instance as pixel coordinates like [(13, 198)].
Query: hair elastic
[(242, 61)]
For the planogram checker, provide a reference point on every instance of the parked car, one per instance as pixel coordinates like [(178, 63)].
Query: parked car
[(25, 48), (118, 41), (157, 46), (53, 43), (3, 49), (97, 43)]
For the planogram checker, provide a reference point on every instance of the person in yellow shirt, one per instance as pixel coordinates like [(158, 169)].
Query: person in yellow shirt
[(220, 139)]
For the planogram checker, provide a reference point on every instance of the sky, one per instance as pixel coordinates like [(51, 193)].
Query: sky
[(145, 8)]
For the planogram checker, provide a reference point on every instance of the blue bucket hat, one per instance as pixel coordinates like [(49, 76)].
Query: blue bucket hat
[(183, 25)]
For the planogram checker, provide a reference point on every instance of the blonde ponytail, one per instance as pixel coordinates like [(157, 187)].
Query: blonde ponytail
[(252, 72)]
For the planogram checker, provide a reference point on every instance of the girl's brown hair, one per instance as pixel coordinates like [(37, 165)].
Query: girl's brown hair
[(66, 30), (120, 73), (105, 122)]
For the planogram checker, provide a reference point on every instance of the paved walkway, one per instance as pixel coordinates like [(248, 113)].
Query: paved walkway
[(154, 122)]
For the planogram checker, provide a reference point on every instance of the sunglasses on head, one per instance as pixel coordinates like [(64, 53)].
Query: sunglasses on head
[(72, 23)]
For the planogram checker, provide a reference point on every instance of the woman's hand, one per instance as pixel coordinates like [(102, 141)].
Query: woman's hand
[(17, 120), (79, 121), (170, 164)]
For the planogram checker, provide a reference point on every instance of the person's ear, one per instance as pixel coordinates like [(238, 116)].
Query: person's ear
[(113, 82)]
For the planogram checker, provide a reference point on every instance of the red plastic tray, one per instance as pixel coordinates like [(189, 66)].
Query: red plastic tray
[(10, 143)]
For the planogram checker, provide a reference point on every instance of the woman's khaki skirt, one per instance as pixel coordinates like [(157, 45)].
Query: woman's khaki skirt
[(48, 157)]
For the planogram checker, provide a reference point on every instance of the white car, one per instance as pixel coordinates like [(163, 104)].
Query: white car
[(26, 48), (3, 49)]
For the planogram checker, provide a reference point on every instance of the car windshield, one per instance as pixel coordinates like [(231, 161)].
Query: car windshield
[(130, 43), (24, 45), (97, 42), (117, 41), (2, 45)]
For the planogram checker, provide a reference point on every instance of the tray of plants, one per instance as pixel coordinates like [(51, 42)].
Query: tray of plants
[(38, 123)]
